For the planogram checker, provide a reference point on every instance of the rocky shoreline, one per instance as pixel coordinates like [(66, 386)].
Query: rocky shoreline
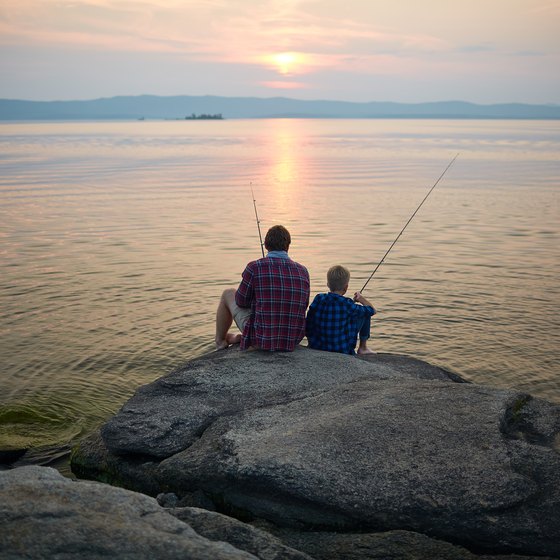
[(317, 455)]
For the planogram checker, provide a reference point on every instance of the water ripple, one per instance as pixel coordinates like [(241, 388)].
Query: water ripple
[(118, 240)]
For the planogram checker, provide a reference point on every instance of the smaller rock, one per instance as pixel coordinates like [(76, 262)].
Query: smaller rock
[(218, 527), (168, 500), (44, 516)]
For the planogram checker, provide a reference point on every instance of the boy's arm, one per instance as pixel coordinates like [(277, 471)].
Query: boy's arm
[(361, 299), (310, 318)]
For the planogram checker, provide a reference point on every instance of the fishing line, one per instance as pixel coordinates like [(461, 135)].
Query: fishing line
[(409, 220), (257, 218)]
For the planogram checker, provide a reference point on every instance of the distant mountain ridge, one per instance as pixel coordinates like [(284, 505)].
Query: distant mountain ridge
[(177, 107)]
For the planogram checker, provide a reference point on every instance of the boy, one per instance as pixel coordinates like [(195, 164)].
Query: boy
[(334, 322)]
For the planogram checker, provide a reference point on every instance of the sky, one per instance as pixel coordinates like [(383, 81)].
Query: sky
[(482, 51)]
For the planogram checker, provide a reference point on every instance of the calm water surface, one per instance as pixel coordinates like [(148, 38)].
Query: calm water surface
[(117, 239)]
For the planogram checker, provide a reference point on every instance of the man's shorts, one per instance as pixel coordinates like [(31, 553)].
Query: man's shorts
[(240, 315)]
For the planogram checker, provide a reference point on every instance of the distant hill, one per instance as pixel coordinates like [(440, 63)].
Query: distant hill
[(178, 107)]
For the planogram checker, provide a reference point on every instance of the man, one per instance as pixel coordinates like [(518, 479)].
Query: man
[(269, 305)]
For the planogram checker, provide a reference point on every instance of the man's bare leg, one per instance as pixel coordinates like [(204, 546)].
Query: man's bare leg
[(224, 319), (233, 338)]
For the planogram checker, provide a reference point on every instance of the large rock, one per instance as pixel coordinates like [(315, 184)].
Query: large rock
[(321, 441), (169, 415), (46, 516)]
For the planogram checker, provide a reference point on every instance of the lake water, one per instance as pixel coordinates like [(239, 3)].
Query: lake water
[(118, 238)]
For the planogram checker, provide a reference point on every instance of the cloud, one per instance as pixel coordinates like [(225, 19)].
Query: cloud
[(284, 85), (482, 48), (236, 31), (549, 9), (108, 25), (528, 53)]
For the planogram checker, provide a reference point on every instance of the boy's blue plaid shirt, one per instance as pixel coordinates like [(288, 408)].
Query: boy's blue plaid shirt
[(333, 322)]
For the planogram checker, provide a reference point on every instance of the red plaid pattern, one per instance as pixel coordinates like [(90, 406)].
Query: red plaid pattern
[(277, 291)]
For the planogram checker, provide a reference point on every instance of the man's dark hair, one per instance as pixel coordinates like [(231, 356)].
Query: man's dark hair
[(277, 239)]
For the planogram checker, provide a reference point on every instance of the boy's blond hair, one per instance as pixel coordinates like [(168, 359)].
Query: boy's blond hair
[(337, 278)]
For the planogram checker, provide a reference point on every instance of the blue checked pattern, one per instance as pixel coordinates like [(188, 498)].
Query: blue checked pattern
[(333, 322)]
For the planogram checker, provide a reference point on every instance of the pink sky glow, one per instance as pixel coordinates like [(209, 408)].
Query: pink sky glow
[(484, 51)]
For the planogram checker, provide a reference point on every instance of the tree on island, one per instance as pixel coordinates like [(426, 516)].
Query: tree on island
[(204, 116)]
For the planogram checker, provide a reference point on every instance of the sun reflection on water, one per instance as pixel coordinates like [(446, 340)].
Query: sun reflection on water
[(285, 170)]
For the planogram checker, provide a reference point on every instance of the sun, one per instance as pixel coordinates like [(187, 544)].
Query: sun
[(286, 62)]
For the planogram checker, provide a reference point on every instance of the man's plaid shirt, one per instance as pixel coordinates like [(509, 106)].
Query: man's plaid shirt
[(333, 322), (277, 290)]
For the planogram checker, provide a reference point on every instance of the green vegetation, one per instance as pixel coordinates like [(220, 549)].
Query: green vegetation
[(518, 406)]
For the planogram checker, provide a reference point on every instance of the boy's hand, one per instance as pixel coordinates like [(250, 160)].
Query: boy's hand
[(361, 299)]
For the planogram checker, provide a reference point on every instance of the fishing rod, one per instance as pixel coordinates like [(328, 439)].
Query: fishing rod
[(257, 218), (409, 220)]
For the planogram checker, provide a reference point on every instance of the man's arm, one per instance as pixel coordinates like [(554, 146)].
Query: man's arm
[(245, 292)]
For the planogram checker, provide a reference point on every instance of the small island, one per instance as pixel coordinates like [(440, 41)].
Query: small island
[(204, 117)]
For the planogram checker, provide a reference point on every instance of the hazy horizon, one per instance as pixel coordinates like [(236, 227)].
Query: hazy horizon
[(179, 107), (483, 53), (280, 96)]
